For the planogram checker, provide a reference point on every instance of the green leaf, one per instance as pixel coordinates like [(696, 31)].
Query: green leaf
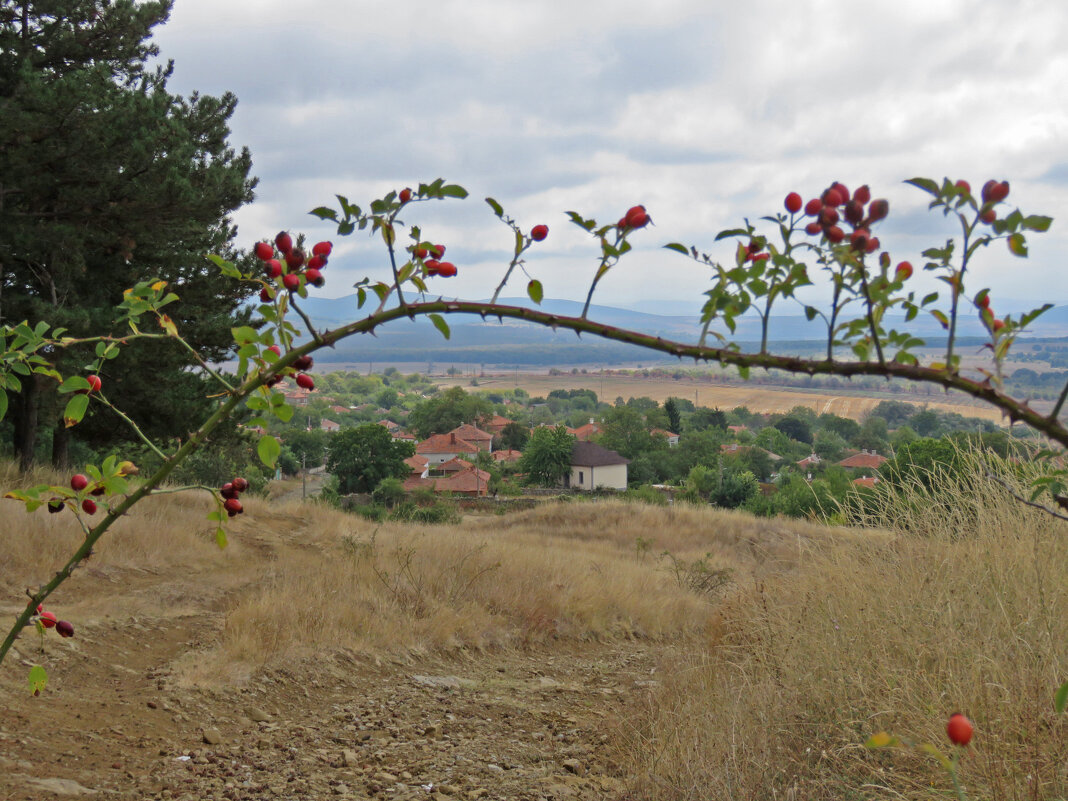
[(453, 190), (324, 213), (268, 450), (1018, 245), (497, 208), (534, 291), (440, 324), (220, 537), (1060, 699), (811, 312), (679, 248), (1036, 222), (38, 679), (731, 232), (74, 384), (3, 404), (926, 184), (283, 412), (75, 410)]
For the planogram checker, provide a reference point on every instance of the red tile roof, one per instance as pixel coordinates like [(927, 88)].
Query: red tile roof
[(863, 459), (445, 443), (471, 434), (866, 482), (507, 456), (583, 433)]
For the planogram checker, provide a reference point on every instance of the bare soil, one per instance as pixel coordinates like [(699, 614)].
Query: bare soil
[(123, 717)]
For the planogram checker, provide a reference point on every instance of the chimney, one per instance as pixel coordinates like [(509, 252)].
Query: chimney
[(452, 437)]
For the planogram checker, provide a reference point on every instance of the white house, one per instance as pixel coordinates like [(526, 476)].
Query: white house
[(594, 467)]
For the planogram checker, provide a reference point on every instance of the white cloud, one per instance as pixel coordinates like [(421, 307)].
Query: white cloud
[(707, 113)]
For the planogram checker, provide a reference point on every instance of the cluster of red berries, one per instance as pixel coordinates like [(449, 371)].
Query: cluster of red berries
[(836, 205), (983, 302), (301, 363), (49, 621), (993, 192), (79, 483), (434, 265), (288, 268), (636, 217), (753, 252), (229, 491)]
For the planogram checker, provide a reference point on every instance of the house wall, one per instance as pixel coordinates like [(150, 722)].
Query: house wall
[(440, 458), (610, 476)]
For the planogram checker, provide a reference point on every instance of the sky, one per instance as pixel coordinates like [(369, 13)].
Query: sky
[(705, 112)]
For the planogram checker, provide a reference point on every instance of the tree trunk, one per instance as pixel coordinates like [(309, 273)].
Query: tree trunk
[(60, 445), (26, 422)]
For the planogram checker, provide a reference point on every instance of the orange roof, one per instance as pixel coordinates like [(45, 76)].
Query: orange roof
[(507, 456), (417, 463), (811, 459), (471, 434), (663, 433), (866, 482), (468, 482), (455, 465), (445, 443), (863, 459), (389, 425), (583, 433), (496, 423)]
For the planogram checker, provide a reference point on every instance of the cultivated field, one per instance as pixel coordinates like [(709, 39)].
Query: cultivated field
[(758, 398)]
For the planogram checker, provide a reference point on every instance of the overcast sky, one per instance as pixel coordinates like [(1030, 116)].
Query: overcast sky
[(705, 112)]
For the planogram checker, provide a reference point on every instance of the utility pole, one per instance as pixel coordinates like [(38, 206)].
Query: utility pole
[(304, 475)]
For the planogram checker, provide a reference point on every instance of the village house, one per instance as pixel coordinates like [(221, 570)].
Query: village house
[(483, 440), (507, 456), (329, 425), (585, 432), (594, 467), (495, 424), (440, 448), (866, 460), (671, 437)]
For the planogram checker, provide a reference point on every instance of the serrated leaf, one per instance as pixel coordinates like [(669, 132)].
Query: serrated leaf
[(1037, 222), (268, 450), (926, 184), (731, 232), (73, 384), (1060, 699), (38, 680), (75, 410), (440, 324), (679, 248), (497, 208), (453, 190), (324, 213), (1018, 245), (534, 291)]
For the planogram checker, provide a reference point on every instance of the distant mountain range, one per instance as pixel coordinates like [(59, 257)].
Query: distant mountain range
[(515, 342)]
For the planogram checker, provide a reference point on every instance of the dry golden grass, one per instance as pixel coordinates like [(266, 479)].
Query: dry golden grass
[(967, 612), (570, 571)]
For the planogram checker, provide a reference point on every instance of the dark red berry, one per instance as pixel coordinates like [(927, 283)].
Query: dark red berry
[(636, 217), (405, 195), (295, 259), (878, 210), (78, 482), (303, 362), (832, 198), (314, 277), (305, 381), (988, 216), (539, 232), (291, 281), (446, 269), (64, 628), (89, 506), (322, 248), (317, 262), (264, 250), (862, 195), (233, 506), (284, 242), (828, 215), (854, 211), (240, 484), (812, 208), (437, 250), (227, 490), (834, 234), (813, 228), (48, 620), (793, 202), (274, 268), (55, 505)]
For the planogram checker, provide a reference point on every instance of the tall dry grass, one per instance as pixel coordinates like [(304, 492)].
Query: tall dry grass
[(966, 609), (570, 571)]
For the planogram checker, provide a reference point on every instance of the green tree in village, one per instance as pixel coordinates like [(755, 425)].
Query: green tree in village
[(361, 457), (514, 437), (106, 179), (447, 410), (547, 457), (674, 416)]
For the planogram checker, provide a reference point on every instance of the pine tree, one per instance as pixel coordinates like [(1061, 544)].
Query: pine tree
[(107, 179)]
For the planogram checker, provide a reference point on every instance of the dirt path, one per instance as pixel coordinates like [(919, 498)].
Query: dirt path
[(117, 723)]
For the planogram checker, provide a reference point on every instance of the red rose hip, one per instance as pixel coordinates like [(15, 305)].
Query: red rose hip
[(959, 729), (264, 251), (322, 249), (89, 506), (539, 232), (305, 381), (48, 620), (793, 202), (284, 242), (78, 482), (64, 628)]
